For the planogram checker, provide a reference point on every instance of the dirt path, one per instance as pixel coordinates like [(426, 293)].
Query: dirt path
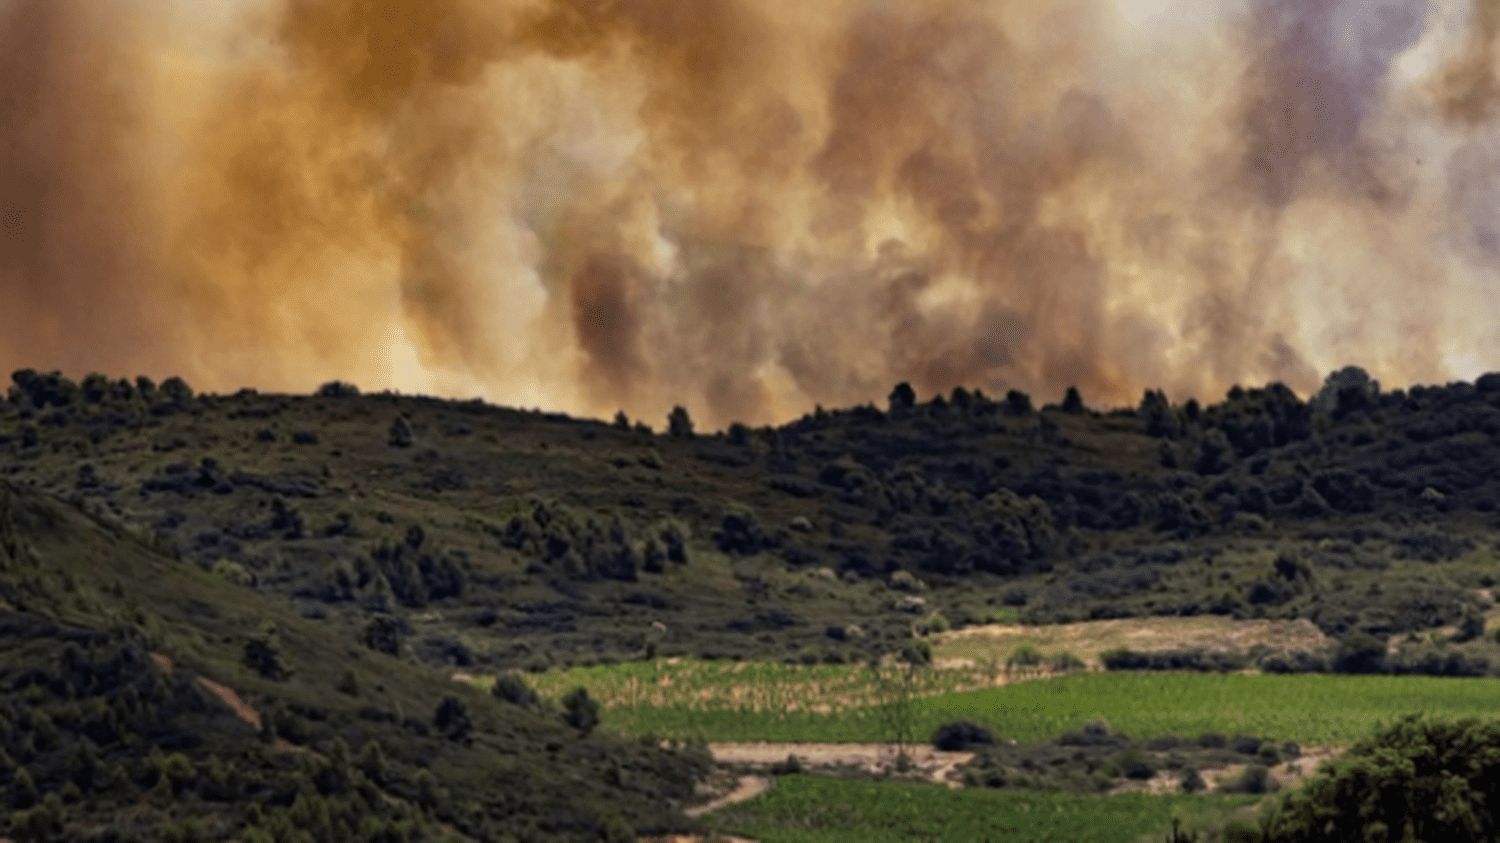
[(747, 788), (931, 764), (237, 704)]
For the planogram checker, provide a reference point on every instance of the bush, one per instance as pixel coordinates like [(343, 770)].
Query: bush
[(791, 765), (961, 735), (512, 688), (451, 719), (1064, 662), (1360, 653), (1025, 657), (580, 711), (1190, 659), (400, 434), (1255, 780), (739, 533), (338, 389), (1135, 764), (1191, 781), (262, 654), (1097, 733)]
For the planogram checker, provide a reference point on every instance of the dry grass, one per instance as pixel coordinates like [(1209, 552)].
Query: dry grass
[(980, 645)]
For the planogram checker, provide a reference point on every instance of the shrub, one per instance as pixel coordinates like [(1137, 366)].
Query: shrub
[(1097, 733), (961, 735), (383, 634), (510, 687), (740, 533), (1191, 781), (1025, 657), (1255, 780), (1135, 764), (262, 654), (337, 389), (451, 719), (934, 623), (400, 434), (580, 711), (235, 573), (1065, 662), (1360, 653), (791, 765), (1189, 659)]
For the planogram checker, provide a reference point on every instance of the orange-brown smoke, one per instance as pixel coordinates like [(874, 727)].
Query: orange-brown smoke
[(745, 206)]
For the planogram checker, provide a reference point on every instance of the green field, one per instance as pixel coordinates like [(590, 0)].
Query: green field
[(829, 810), (1309, 708)]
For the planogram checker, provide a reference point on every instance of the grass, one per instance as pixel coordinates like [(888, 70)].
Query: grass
[(750, 687), (1310, 709), (810, 808)]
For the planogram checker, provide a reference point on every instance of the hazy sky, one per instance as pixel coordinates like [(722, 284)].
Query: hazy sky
[(750, 206)]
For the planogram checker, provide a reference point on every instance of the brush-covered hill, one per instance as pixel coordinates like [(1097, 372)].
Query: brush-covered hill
[(217, 602), (144, 698), (470, 535)]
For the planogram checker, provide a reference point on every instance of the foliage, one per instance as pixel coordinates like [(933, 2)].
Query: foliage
[(1418, 779)]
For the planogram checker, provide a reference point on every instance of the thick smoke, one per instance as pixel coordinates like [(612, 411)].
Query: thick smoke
[(749, 207)]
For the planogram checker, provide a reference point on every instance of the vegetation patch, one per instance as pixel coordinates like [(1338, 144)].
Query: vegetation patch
[(806, 808)]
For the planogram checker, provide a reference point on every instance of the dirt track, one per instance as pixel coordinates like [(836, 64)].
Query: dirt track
[(869, 757), (747, 788)]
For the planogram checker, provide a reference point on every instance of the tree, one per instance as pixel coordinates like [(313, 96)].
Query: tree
[(679, 423), (903, 397), (1415, 780), (263, 655), (177, 391), (1156, 412), (1213, 453), (1017, 403), (452, 720), (338, 389), (1072, 401), (580, 711), (896, 680)]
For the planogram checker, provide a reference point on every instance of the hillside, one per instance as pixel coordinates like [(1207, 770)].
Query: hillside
[(148, 699), (498, 537), (179, 566)]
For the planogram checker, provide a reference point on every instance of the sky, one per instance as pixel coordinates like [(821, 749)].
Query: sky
[(750, 207)]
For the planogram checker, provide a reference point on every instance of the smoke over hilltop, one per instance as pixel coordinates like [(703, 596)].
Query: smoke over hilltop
[(749, 207)]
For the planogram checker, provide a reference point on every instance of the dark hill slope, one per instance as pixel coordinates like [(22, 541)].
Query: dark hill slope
[(464, 534), (144, 698)]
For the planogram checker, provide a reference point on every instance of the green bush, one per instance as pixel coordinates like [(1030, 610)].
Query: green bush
[(580, 711), (512, 688), (961, 735), (1416, 780)]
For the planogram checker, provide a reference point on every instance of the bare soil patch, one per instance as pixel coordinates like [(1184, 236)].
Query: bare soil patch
[(745, 788), (243, 710), (871, 758)]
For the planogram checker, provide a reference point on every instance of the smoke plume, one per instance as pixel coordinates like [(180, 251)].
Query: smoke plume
[(750, 207)]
